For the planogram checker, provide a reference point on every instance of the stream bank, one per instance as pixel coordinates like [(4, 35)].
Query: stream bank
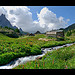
[(22, 60)]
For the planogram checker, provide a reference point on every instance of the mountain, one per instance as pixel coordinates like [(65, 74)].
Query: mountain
[(4, 22), (71, 27), (22, 32), (38, 32), (14, 27)]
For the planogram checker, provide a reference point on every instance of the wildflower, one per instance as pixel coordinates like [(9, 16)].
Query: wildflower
[(38, 64), (29, 63), (23, 66), (53, 61), (35, 65), (43, 64), (72, 53), (66, 67), (16, 68), (57, 49)]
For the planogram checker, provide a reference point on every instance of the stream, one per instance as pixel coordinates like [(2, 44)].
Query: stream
[(22, 60)]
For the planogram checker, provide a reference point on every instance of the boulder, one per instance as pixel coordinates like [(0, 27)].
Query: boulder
[(40, 57), (65, 46)]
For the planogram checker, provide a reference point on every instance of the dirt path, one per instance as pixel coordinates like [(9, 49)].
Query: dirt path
[(45, 39)]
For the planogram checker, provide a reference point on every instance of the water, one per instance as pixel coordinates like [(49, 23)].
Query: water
[(22, 60)]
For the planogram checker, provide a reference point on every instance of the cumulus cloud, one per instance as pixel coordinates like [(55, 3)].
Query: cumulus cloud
[(21, 17), (49, 20), (18, 15)]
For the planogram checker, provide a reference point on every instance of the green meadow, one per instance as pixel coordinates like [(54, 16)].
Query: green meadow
[(12, 48), (63, 58)]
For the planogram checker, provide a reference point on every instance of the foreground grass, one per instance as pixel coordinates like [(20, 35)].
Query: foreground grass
[(63, 58), (11, 48)]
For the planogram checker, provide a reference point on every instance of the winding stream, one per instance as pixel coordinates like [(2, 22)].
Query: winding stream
[(22, 60)]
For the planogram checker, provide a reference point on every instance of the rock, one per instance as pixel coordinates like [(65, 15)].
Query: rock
[(65, 46), (50, 49), (19, 61), (39, 57), (12, 63), (74, 43), (45, 39), (43, 48)]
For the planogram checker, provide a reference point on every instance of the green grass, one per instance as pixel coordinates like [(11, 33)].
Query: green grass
[(3, 37), (63, 58), (11, 48)]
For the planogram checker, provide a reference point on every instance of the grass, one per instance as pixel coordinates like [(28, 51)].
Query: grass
[(11, 48), (63, 58)]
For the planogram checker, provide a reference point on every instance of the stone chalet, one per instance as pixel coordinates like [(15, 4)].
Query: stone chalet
[(55, 33)]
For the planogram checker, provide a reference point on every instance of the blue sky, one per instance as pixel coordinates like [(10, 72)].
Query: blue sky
[(68, 12)]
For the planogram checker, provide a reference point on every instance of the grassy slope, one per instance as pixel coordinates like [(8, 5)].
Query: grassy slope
[(11, 48), (63, 58), (71, 27), (3, 36)]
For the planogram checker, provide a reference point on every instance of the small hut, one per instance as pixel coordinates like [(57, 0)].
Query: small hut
[(31, 34)]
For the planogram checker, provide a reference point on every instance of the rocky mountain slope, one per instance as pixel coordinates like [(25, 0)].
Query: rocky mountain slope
[(4, 22)]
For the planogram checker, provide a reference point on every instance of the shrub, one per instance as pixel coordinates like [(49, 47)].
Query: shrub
[(35, 50), (68, 33), (5, 58)]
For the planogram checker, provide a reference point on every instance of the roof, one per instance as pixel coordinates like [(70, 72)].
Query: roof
[(59, 31), (53, 31)]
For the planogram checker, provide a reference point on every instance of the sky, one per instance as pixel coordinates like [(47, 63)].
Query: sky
[(65, 11), (39, 18)]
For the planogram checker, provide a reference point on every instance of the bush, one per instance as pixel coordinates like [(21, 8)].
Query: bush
[(7, 57), (69, 33), (35, 50)]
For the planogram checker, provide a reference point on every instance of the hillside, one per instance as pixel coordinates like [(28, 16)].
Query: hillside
[(6, 28), (4, 22), (3, 37), (13, 33), (71, 27)]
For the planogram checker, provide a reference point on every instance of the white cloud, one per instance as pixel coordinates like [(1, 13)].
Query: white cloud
[(18, 15), (21, 17), (49, 20)]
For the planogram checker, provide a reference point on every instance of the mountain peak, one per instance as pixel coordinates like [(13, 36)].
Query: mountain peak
[(2, 15), (4, 21)]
